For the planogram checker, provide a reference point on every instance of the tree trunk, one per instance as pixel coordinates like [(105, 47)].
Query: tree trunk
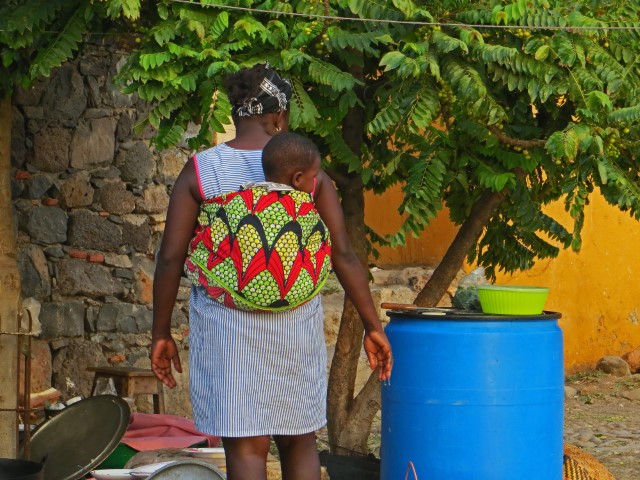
[(452, 261), (350, 418), (9, 290)]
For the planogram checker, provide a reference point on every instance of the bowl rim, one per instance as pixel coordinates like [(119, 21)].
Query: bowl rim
[(514, 288)]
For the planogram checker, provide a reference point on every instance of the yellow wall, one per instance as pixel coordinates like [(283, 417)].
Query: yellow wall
[(381, 214), (597, 290)]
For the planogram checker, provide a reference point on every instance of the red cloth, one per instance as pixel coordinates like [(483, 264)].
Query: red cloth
[(153, 431)]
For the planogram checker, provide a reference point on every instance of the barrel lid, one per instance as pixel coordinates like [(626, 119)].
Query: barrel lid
[(455, 314)]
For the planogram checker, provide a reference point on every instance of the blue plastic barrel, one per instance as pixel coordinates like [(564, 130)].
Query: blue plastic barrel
[(473, 397)]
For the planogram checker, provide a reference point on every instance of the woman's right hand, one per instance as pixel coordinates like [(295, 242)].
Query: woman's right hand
[(164, 352)]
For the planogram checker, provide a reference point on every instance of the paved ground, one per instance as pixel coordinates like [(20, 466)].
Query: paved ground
[(602, 418)]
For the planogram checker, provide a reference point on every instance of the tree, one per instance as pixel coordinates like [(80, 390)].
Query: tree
[(542, 111)]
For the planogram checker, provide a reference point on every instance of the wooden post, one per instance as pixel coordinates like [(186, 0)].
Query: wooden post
[(9, 290)]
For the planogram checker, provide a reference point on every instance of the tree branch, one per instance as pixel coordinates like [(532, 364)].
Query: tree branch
[(515, 142)]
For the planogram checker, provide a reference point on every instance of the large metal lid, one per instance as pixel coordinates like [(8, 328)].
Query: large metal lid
[(80, 437)]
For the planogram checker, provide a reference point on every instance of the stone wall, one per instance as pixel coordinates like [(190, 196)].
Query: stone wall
[(90, 196)]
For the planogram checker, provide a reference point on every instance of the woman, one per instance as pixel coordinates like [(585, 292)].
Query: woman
[(255, 375)]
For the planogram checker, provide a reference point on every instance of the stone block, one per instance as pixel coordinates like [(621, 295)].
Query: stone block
[(51, 149), (136, 232), (91, 231), (144, 319), (143, 270), (34, 272), (93, 92), (18, 139), (118, 261), (115, 198), (41, 366), (94, 65), (38, 186), (136, 164), (171, 163), (47, 225), (69, 366), (65, 98), (62, 319), (155, 199), (79, 277), (93, 144), (76, 191), (124, 127)]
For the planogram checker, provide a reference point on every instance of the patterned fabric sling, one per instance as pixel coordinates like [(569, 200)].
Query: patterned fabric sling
[(260, 249)]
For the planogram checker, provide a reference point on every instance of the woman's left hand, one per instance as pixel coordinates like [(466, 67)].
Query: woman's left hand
[(378, 350)]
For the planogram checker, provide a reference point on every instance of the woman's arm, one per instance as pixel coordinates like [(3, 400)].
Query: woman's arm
[(179, 229), (352, 275)]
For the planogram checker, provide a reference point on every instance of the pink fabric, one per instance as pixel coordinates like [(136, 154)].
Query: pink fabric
[(153, 431)]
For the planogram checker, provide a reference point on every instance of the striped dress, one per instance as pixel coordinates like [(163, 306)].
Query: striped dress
[(252, 373)]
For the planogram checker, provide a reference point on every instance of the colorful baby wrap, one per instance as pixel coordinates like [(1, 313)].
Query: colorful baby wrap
[(260, 250)]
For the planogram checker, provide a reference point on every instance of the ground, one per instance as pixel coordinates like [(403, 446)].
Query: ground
[(598, 419)]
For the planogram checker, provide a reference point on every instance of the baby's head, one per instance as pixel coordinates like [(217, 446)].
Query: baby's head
[(291, 159)]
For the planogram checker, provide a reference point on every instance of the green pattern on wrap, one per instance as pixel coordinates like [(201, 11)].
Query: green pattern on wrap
[(260, 250)]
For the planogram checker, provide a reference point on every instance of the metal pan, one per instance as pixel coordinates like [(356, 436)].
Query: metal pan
[(80, 437)]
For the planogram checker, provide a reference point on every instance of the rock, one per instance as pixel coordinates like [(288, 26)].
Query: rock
[(170, 165), (136, 232), (95, 66), (51, 149), (95, 97), (79, 277), (34, 272), (18, 139), (116, 199), (31, 95), (570, 392), (633, 359), (62, 319), (124, 127), (93, 144), (119, 261), (118, 317), (136, 164), (69, 366), (178, 318), (143, 270), (113, 96), (77, 191), (54, 251), (89, 230), (144, 319), (47, 225), (38, 186), (632, 394), (31, 312), (613, 365), (155, 199), (65, 98)]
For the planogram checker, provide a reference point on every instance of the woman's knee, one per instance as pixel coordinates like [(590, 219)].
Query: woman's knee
[(286, 442), (247, 447)]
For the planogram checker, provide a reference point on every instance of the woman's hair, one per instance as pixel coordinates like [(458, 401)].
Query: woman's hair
[(287, 153), (244, 84), (257, 90)]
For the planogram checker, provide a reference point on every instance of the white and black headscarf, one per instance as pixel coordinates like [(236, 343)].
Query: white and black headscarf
[(273, 97)]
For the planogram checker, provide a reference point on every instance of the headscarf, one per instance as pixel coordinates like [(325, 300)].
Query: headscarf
[(273, 97)]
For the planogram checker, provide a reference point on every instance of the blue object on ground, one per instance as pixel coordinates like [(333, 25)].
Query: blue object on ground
[(474, 396)]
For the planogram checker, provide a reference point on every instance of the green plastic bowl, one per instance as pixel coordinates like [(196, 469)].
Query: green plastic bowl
[(512, 299)]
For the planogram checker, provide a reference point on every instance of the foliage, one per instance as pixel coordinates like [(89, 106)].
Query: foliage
[(37, 36)]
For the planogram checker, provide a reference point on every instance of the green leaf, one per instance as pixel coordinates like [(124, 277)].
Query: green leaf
[(542, 53), (392, 60)]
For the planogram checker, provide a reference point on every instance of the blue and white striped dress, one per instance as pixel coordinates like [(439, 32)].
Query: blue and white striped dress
[(252, 373)]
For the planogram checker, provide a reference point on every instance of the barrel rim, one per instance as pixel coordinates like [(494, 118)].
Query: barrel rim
[(457, 315)]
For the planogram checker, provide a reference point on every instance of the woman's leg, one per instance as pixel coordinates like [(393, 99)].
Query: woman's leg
[(298, 456), (246, 457)]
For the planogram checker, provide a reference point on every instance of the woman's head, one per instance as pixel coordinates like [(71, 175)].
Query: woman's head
[(291, 159), (259, 94)]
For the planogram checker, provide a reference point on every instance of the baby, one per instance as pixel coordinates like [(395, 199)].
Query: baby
[(265, 247)]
